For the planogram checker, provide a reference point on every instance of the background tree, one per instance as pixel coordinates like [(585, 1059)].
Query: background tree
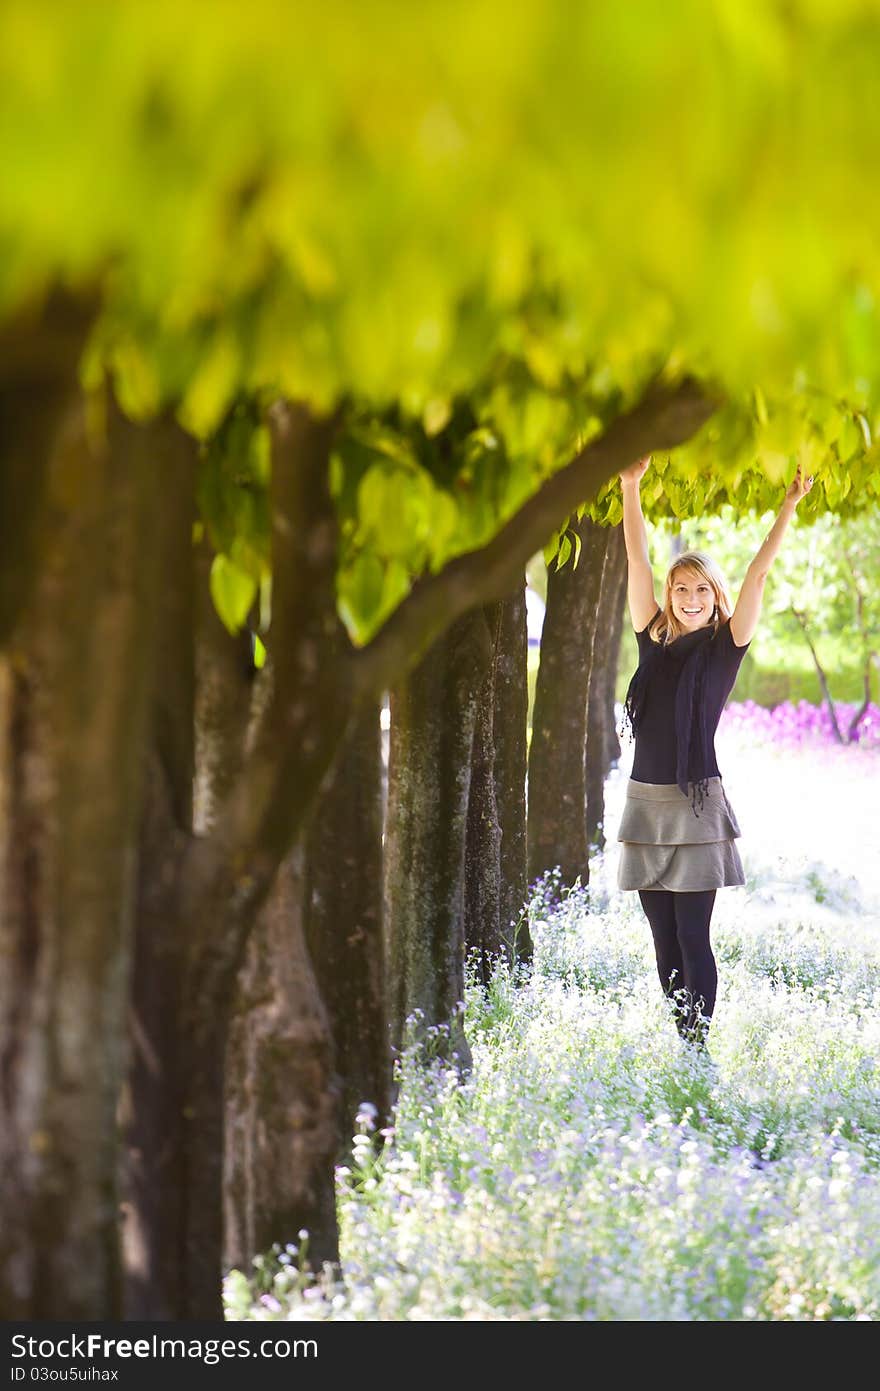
[(557, 816), (821, 616), (603, 744)]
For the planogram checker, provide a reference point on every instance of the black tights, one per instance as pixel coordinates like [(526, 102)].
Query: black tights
[(680, 924)]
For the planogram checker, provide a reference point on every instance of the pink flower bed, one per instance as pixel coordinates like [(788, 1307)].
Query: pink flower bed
[(797, 724)]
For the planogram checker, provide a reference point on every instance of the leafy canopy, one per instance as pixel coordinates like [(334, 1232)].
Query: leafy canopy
[(484, 226)]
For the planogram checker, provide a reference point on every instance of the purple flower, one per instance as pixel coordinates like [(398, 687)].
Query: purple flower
[(795, 725)]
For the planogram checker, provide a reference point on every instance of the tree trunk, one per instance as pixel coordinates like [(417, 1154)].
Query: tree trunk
[(868, 655), (283, 1095), (603, 676), (228, 688), (823, 680), (282, 1129), (433, 714), (74, 685), (227, 876), (344, 929), (151, 1184), (192, 942), (495, 857), (853, 731), (557, 827), (39, 351), (151, 1177), (482, 859), (617, 601), (223, 906), (510, 715)]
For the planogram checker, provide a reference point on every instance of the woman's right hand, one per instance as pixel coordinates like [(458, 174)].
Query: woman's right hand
[(634, 473)]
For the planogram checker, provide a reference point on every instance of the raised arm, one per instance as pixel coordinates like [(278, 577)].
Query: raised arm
[(744, 619), (640, 576)]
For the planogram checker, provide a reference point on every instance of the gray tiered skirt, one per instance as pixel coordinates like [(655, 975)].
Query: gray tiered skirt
[(664, 846)]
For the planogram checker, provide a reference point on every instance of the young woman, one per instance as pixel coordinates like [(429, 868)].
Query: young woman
[(678, 830)]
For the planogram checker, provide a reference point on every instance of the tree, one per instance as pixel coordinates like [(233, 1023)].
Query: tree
[(74, 725), (345, 922), (822, 592), (557, 817), (603, 745), (503, 757), (414, 412)]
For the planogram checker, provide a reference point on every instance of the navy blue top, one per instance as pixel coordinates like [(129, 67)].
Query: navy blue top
[(654, 756)]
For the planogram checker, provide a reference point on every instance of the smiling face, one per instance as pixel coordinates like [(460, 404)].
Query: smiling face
[(693, 598)]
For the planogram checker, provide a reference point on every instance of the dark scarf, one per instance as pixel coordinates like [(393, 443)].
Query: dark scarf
[(692, 753)]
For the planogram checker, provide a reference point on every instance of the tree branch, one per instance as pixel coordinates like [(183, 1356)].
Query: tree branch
[(820, 672), (664, 418)]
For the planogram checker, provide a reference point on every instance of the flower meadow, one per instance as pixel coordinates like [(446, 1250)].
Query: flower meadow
[(800, 723), (592, 1166)]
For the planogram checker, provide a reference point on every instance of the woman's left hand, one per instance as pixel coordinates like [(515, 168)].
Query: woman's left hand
[(798, 486)]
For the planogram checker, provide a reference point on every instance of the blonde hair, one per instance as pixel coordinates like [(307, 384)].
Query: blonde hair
[(666, 627)]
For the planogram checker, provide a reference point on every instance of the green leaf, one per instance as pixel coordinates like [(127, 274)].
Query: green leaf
[(395, 586), (436, 415), (395, 508), (211, 390), (381, 439), (360, 592), (233, 591), (551, 548), (564, 551), (445, 521), (265, 602), (136, 381)]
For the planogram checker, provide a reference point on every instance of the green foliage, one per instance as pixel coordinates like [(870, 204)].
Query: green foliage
[(233, 499), (827, 571), (233, 591), (812, 570), (462, 209)]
